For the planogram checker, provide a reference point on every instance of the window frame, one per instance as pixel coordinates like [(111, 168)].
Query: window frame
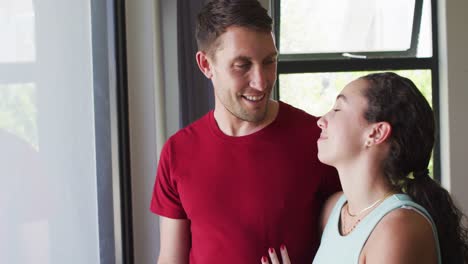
[(409, 53), (374, 61)]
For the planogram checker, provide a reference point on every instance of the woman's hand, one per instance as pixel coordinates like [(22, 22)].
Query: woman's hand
[(274, 257)]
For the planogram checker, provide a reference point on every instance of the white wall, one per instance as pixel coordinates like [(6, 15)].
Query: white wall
[(171, 73), (453, 43), (141, 92), (144, 19)]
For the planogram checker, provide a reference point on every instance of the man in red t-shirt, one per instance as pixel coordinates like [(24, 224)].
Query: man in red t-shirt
[(245, 177)]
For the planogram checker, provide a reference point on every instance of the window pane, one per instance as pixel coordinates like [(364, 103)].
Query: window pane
[(315, 93), (335, 26), (17, 31), (48, 152), (425, 37)]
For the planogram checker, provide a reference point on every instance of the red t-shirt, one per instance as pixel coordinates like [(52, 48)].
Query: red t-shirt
[(245, 194)]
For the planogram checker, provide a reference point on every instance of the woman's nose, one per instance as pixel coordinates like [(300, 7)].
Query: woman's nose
[(321, 122)]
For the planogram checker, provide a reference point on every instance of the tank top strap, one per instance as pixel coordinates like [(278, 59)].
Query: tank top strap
[(334, 218)]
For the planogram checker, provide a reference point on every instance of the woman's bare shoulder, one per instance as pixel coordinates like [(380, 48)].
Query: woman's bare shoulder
[(402, 236)]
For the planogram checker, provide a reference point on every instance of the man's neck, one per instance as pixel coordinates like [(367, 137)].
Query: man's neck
[(235, 127)]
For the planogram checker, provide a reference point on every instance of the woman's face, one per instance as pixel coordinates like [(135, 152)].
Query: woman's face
[(344, 129)]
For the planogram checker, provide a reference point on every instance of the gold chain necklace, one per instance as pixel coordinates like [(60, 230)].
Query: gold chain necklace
[(368, 207), (343, 226)]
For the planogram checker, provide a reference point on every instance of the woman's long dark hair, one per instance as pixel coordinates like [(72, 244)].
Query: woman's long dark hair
[(396, 100)]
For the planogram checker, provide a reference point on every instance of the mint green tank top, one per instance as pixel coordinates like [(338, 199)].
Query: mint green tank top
[(335, 248)]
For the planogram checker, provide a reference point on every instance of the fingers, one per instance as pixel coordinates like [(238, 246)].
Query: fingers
[(284, 255), (273, 256)]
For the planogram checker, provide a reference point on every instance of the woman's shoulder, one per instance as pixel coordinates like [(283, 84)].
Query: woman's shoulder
[(402, 236), (409, 222)]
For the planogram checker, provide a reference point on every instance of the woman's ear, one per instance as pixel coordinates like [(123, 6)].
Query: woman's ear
[(204, 64), (379, 133)]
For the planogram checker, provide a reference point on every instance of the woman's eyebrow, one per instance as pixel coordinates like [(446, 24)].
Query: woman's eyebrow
[(342, 96)]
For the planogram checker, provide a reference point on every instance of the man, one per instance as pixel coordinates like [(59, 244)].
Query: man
[(245, 177)]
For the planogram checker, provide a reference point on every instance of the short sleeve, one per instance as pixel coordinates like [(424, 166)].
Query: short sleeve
[(166, 200)]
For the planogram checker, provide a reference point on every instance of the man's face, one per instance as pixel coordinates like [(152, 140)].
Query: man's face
[(243, 72)]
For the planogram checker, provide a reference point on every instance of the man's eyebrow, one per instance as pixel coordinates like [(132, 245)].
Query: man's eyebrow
[(242, 58), (273, 54), (247, 58)]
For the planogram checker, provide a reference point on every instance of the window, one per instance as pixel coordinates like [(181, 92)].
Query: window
[(57, 72), (325, 44)]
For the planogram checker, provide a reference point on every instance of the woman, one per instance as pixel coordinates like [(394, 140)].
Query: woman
[(379, 136)]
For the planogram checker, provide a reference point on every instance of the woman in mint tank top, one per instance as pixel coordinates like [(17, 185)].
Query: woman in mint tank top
[(379, 136)]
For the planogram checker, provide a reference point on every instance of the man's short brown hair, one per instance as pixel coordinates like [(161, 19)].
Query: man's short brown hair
[(217, 15)]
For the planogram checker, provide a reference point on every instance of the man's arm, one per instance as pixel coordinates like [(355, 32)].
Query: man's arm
[(175, 241)]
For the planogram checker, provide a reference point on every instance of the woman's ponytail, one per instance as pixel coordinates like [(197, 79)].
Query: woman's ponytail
[(452, 233)]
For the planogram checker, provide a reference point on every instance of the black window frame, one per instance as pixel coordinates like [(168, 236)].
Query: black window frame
[(374, 61)]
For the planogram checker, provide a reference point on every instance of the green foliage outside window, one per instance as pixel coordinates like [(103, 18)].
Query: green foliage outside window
[(18, 111)]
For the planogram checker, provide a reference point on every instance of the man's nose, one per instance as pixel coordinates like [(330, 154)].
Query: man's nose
[(258, 79)]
